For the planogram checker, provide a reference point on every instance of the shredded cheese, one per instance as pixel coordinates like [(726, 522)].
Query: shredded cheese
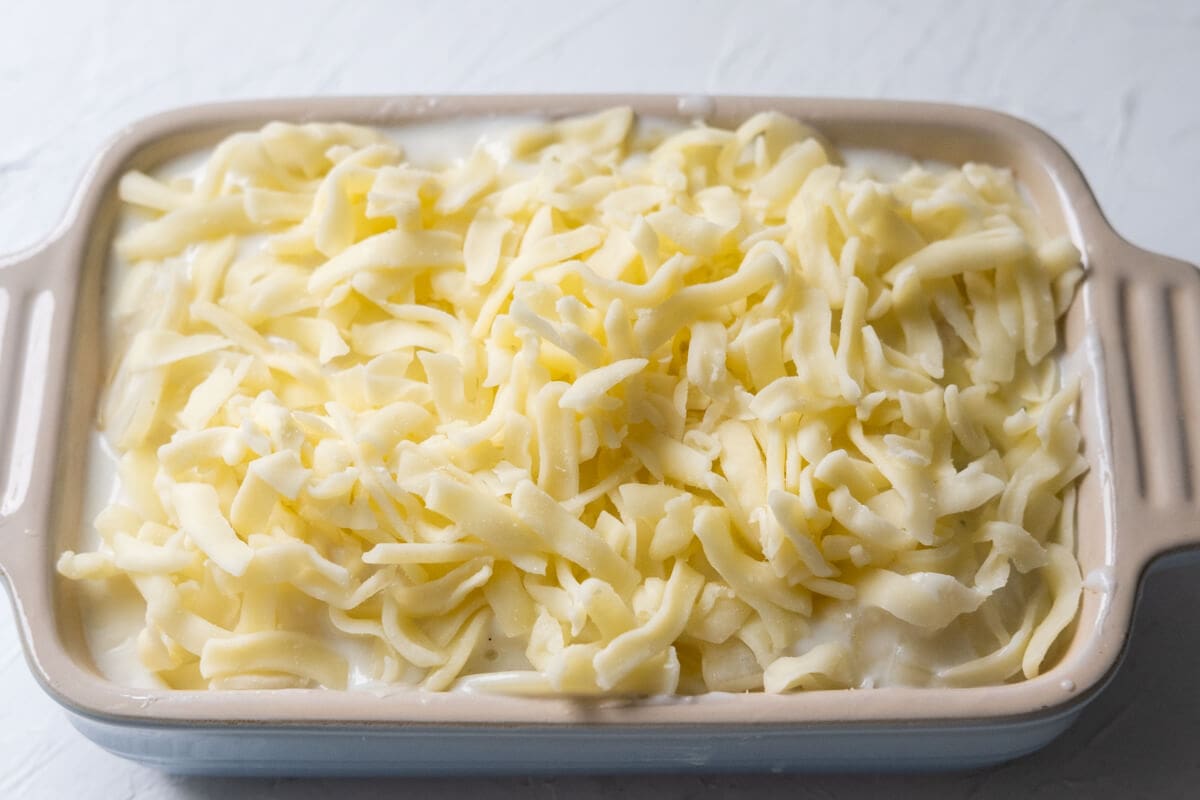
[(656, 407)]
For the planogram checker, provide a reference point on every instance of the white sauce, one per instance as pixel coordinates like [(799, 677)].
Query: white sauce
[(888, 651), (112, 611)]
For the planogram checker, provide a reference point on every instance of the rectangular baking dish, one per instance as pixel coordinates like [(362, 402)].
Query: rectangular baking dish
[(1133, 334)]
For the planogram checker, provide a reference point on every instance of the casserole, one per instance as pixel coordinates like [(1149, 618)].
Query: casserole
[(1130, 335)]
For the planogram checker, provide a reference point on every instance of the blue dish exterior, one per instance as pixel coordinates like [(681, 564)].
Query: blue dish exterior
[(476, 750)]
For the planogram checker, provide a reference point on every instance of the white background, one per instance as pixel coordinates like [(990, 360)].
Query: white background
[(1116, 82)]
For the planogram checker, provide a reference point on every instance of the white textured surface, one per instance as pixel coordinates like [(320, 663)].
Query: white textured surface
[(1115, 82)]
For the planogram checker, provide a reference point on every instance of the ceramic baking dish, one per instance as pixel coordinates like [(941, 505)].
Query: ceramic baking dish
[(1133, 334)]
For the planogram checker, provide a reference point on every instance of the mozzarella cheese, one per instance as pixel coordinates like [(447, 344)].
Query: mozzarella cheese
[(589, 407)]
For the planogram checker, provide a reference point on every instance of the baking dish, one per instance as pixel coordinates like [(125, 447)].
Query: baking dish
[(1133, 335)]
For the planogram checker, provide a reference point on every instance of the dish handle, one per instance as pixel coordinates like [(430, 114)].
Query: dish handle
[(1150, 335), (28, 326)]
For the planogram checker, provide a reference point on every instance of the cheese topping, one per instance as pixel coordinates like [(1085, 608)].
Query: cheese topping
[(594, 407)]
